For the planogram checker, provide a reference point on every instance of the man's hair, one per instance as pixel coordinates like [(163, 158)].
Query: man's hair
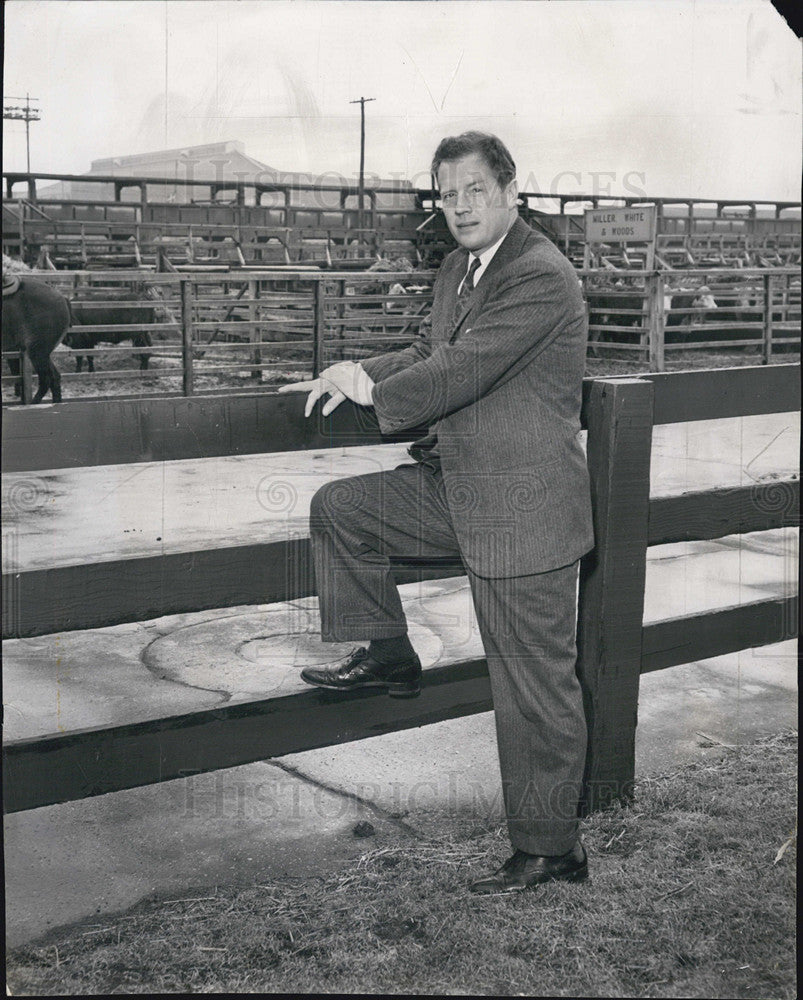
[(492, 150)]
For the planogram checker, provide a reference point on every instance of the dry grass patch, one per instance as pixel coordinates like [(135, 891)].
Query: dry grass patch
[(688, 897), (620, 363)]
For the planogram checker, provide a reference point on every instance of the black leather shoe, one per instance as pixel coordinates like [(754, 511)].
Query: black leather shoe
[(400, 680), (525, 871)]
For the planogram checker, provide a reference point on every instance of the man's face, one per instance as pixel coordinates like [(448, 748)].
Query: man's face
[(478, 212)]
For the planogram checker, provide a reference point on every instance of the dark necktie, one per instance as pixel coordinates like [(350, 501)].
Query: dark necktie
[(466, 289)]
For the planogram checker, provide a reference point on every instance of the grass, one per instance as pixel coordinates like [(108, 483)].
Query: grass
[(687, 898)]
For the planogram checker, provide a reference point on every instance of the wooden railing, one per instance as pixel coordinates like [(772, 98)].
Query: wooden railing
[(748, 231), (241, 327), (217, 325), (650, 314), (296, 194), (615, 647)]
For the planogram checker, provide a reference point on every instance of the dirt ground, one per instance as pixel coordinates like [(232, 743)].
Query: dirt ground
[(163, 375)]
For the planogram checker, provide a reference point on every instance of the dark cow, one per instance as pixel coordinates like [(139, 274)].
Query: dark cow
[(734, 308), (606, 308), (684, 299), (734, 312), (86, 313), (621, 306), (35, 319), (734, 305), (678, 324)]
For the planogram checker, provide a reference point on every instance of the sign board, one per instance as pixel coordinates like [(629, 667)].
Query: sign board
[(620, 225)]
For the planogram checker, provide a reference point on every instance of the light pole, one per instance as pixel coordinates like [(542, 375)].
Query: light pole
[(360, 219), (24, 113)]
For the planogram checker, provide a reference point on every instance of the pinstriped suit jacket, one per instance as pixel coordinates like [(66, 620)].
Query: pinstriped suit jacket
[(501, 387)]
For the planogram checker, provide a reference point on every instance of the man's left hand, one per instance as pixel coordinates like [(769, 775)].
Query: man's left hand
[(345, 380)]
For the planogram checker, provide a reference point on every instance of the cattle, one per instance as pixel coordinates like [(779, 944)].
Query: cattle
[(734, 306), (705, 300), (678, 323), (130, 311), (613, 308), (621, 312), (736, 309), (732, 312), (35, 320)]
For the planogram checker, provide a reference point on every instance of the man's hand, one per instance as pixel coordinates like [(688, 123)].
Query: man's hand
[(316, 388), (345, 380)]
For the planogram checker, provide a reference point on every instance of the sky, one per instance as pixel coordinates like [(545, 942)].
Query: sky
[(661, 97)]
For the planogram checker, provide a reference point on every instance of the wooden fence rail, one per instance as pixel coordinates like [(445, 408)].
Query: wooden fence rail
[(292, 204), (272, 321), (614, 645), (649, 314)]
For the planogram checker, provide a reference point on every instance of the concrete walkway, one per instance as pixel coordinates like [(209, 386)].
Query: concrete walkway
[(296, 815)]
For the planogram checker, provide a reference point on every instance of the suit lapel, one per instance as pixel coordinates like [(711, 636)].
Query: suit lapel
[(510, 248), (452, 271)]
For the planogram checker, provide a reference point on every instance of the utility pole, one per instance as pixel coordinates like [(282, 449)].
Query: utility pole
[(24, 113), (360, 215)]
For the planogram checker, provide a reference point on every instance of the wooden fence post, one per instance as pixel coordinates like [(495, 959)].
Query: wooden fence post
[(766, 347), (612, 580), (26, 378), (186, 335), (318, 303), (23, 244), (254, 329), (656, 321), (342, 313)]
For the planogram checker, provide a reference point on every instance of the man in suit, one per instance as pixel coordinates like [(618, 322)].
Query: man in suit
[(500, 479)]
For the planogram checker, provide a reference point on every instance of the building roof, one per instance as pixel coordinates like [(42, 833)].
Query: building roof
[(216, 161)]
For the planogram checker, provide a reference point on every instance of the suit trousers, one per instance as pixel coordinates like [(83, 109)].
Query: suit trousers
[(527, 624)]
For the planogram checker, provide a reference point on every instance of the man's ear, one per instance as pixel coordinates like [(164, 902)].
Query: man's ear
[(512, 193)]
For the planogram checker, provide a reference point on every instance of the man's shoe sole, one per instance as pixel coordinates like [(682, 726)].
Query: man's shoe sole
[(410, 689), (578, 876)]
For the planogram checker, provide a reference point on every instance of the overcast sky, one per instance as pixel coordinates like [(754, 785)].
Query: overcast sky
[(672, 98)]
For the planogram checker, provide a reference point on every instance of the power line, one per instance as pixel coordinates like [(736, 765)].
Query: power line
[(22, 113), (362, 101)]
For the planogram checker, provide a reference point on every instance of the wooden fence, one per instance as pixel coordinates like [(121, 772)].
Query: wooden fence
[(320, 222), (652, 314), (615, 647), (55, 244), (234, 330), (325, 237)]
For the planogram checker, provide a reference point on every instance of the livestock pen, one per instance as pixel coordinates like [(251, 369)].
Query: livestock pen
[(615, 646), (232, 330), (128, 221), (651, 315), (242, 330)]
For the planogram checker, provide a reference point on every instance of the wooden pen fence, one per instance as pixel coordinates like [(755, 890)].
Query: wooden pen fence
[(234, 330), (261, 220), (652, 315), (237, 330), (615, 647)]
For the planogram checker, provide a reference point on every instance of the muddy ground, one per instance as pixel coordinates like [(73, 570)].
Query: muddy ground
[(120, 375)]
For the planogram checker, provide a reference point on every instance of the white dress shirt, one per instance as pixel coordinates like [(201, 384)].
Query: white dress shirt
[(485, 259)]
